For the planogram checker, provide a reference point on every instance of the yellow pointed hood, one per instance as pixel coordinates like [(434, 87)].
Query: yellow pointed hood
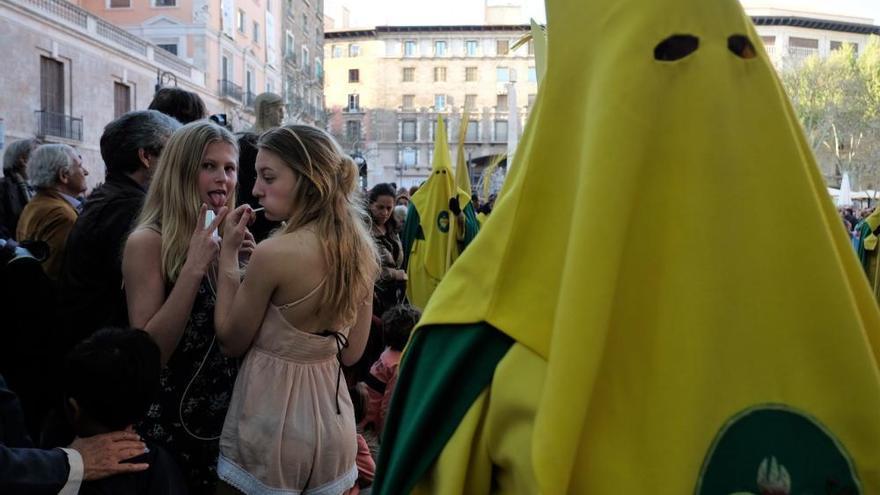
[(432, 256), (462, 173), (647, 268)]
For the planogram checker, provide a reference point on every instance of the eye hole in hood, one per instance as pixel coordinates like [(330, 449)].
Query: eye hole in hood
[(676, 47), (741, 46)]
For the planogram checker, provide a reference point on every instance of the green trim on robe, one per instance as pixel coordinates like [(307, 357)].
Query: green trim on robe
[(471, 226), (412, 230), (444, 369)]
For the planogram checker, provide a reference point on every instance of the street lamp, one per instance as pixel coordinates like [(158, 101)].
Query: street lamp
[(163, 78)]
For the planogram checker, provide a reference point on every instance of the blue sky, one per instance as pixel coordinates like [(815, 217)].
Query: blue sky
[(379, 12)]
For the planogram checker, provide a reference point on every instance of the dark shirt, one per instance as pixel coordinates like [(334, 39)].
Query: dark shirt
[(13, 198), (30, 337), (91, 274), (163, 478)]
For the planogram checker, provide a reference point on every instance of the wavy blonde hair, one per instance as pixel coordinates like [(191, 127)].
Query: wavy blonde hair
[(172, 204), (327, 197)]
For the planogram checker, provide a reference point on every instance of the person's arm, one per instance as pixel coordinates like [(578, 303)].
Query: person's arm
[(359, 333), (148, 308), (235, 321), (241, 304), (32, 471)]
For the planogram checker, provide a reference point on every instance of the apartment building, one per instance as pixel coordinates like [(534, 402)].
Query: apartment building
[(385, 87), (303, 69), (75, 72), (236, 43), (792, 36)]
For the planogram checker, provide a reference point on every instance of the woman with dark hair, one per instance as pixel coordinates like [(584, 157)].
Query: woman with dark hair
[(183, 105), (391, 286)]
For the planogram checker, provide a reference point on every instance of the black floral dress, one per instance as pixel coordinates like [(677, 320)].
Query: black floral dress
[(189, 426)]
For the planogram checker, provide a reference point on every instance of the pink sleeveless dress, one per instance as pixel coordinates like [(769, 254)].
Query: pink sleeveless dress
[(290, 427)]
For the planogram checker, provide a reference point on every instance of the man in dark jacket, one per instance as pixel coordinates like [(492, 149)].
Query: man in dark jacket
[(14, 189), (91, 275)]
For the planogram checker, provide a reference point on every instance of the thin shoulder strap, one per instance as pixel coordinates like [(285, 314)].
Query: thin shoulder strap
[(305, 297)]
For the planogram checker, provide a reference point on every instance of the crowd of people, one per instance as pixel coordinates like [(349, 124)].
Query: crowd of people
[(226, 311)]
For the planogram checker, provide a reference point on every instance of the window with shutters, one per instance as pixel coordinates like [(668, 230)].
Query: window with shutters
[(409, 157), (354, 102), (408, 131), (51, 85), (409, 74), (121, 99), (408, 102), (470, 48), (409, 48), (501, 103), (470, 74), (473, 131), (500, 130), (353, 130), (439, 74), (502, 47)]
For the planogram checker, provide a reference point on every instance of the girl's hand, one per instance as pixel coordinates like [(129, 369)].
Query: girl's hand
[(203, 246), (248, 245), (235, 228)]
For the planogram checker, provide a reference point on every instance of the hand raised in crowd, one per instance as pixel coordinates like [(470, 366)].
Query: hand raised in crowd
[(454, 206), (236, 236), (203, 246), (102, 455)]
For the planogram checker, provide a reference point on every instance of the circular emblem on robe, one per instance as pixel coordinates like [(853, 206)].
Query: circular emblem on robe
[(776, 450), (443, 221)]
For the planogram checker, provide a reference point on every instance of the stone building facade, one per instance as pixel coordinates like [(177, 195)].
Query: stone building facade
[(385, 87), (70, 73)]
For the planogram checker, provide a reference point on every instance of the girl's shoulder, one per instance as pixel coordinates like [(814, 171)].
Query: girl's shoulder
[(146, 236), (300, 245)]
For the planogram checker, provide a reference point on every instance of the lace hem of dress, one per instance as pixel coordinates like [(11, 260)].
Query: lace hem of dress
[(244, 481)]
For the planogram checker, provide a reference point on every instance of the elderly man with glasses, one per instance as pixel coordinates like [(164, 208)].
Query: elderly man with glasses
[(57, 172)]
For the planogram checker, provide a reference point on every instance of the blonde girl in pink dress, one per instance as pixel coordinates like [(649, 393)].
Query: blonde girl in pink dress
[(301, 311)]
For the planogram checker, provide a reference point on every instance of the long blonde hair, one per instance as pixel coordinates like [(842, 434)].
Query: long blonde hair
[(327, 197), (172, 204)]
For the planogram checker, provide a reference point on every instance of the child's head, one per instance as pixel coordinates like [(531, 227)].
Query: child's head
[(397, 323), (110, 379)]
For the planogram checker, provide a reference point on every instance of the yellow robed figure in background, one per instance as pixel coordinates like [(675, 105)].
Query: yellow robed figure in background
[(435, 233), (653, 350)]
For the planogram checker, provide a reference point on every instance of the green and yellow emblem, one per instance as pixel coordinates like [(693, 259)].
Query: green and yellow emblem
[(776, 450), (443, 221)]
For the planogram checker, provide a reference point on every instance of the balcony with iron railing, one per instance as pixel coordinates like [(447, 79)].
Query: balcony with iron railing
[(58, 125), (230, 90), (109, 34), (801, 53)]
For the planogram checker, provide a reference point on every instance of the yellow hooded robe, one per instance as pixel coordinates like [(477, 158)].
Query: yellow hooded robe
[(683, 341), (432, 238)]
